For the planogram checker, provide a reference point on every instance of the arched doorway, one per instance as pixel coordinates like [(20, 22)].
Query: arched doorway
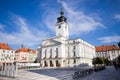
[(51, 65), (45, 63), (57, 63)]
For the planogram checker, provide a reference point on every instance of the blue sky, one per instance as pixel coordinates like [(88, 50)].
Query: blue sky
[(28, 22)]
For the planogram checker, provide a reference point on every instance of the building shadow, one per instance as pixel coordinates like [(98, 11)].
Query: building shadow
[(61, 73)]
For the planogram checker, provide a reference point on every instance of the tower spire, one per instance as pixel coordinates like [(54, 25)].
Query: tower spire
[(22, 46), (61, 18)]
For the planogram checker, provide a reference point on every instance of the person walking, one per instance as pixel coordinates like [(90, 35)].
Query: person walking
[(115, 65)]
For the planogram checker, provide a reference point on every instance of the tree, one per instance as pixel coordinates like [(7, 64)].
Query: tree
[(118, 59), (106, 61), (97, 60), (119, 44)]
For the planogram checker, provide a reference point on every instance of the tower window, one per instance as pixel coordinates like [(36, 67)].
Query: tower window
[(59, 27)]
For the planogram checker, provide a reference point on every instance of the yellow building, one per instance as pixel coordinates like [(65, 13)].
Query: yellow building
[(25, 55)]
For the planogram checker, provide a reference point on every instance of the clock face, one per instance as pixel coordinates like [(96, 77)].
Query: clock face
[(59, 27)]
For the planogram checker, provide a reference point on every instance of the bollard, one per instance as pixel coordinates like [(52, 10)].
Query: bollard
[(1, 69), (15, 69)]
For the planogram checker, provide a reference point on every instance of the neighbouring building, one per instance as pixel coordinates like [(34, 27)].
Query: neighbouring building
[(32, 56), (7, 54), (25, 55), (108, 51), (60, 51)]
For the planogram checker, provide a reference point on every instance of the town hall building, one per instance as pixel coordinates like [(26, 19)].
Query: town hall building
[(60, 51)]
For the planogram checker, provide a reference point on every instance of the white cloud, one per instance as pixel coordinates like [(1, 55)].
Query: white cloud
[(109, 39), (78, 21), (117, 16), (25, 35), (49, 19), (2, 27)]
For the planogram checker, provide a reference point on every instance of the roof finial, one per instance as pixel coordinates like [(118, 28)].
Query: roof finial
[(62, 12), (22, 46)]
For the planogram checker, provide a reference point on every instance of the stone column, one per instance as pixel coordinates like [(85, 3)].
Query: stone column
[(54, 62), (15, 69), (12, 70), (1, 69), (4, 69), (48, 63), (43, 65), (7, 70)]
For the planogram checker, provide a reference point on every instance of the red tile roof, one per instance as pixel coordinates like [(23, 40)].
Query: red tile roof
[(25, 50), (5, 46), (106, 48)]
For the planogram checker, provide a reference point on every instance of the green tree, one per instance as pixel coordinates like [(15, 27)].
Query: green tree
[(97, 60), (119, 44), (106, 61), (118, 59)]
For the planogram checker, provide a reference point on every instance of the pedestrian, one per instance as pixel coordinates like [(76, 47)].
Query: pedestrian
[(115, 65)]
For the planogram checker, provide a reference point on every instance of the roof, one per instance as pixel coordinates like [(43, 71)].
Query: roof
[(106, 48), (61, 18), (25, 50), (5, 46)]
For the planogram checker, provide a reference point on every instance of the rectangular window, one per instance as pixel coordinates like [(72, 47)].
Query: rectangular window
[(74, 47), (73, 41), (74, 61), (68, 61), (74, 53), (3, 51)]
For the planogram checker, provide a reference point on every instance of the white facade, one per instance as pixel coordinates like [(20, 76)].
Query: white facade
[(110, 54), (62, 29), (60, 51), (7, 56)]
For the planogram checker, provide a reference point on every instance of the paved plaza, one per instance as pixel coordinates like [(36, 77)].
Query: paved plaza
[(64, 74)]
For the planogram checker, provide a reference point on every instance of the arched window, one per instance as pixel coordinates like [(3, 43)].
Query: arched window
[(74, 61), (57, 63), (50, 53), (51, 65), (56, 52), (74, 54), (45, 53), (59, 27), (46, 65)]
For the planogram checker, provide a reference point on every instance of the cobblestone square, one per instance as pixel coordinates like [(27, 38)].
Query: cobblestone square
[(64, 74)]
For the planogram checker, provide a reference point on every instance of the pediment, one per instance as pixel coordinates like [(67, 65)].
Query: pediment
[(51, 42)]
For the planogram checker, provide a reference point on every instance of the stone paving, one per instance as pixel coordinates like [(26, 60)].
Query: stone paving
[(64, 74)]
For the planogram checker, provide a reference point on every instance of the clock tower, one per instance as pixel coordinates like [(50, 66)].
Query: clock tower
[(62, 28)]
